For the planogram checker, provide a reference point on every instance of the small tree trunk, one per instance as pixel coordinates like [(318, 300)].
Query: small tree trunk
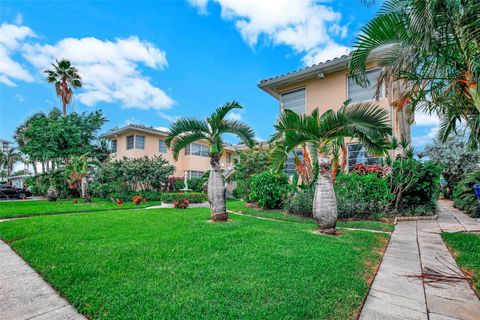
[(84, 190), (325, 202), (43, 166), (217, 192), (35, 171)]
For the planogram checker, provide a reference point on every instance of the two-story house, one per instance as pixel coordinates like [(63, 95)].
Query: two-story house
[(326, 86), (136, 141)]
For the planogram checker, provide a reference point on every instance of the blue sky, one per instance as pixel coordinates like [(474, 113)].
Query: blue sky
[(152, 62)]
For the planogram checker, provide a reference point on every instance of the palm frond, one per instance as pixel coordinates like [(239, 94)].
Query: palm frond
[(243, 131), (221, 112), (180, 142), (185, 126)]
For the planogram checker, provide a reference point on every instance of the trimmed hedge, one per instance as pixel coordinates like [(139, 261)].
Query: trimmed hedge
[(127, 196), (192, 197), (464, 196)]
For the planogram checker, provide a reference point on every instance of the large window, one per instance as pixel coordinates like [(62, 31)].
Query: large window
[(162, 146), (357, 93), (197, 149), (130, 140), (113, 146), (139, 142), (194, 174), (294, 100), (358, 154), (290, 168)]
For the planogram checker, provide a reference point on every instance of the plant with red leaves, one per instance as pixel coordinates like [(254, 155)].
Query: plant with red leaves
[(181, 203), (363, 169)]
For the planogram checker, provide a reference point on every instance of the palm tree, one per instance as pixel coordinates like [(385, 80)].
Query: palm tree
[(430, 54), (8, 159), (77, 171), (363, 121), (188, 130), (65, 77)]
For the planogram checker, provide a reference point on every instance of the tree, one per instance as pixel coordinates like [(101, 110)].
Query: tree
[(65, 77), (430, 54), (188, 130), (77, 171), (455, 159), (364, 121), (8, 159)]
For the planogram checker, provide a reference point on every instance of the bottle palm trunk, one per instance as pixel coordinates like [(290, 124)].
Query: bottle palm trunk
[(217, 193), (325, 202)]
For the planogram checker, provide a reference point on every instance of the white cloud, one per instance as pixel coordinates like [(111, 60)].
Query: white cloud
[(109, 69), (234, 116), (19, 97), (306, 26), (425, 119), (330, 51), (163, 129), (11, 38), (167, 117), (426, 138)]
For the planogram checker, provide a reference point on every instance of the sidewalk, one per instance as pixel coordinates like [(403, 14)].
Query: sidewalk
[(416, 246), (25, 295)]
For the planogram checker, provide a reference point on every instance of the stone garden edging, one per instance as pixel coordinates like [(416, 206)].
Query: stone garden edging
[(170, 205)]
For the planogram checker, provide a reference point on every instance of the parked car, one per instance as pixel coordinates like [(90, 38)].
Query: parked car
[(9, 192)]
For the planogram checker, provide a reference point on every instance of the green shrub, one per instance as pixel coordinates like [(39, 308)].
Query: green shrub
[(247, 163), (125, 196), (40, 184), (269, 190), (463, 194), (192, 197), (426, 189), (300, 202), (197, 184), (362, 196)]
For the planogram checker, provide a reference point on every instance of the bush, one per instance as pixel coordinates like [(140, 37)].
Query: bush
[(192, 197), (269, 189), (361, 168), (197, 184), (362, 196), (248, 163), (426, 189), (300, 202), (127, 196), (464, 196), (40, 184)]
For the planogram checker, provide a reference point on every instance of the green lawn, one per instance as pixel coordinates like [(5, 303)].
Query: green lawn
[(174, 264), (13, 209), (239, 206), (466, 249)]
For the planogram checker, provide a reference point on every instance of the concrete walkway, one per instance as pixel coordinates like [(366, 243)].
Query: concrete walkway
[(416, 246), (25, 295)]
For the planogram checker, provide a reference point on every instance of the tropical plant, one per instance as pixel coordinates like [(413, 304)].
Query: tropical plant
[(269, 189), (430, 57), (364, 121), (455, 158), (77, 171), (9, 158), (464, 196), (65, 77), (188, 130)]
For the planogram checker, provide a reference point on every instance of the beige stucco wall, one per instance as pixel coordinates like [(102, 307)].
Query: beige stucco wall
[(184, 162), (331, 92)]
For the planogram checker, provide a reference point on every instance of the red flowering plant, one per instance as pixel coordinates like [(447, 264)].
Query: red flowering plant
[(181, 203), (119, 202), (75, 201), (363, 169), (137, 199)]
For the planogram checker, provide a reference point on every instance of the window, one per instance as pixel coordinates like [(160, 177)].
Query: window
[(139, 142), (194, 174), (229, 158), (197, 149), (357, 154), (294, 100), (113, 146), (130, 142), (162, 146), (290, 168), (357, 93)]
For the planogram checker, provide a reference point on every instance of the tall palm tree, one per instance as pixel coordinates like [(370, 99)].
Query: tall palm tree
[(65, 77), (430, 53), (188, 130), (363, 121)]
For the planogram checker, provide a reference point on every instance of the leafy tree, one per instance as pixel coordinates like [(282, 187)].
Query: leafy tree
[(455, 158), (189, 130), (430, 55), (56, 138), (248, 163), (77, 171), (364, 121), (65, 77)]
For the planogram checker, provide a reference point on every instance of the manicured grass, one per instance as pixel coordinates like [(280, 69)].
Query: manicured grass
[(174, 264), (239, 206), (13, 209), (466, 250)]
